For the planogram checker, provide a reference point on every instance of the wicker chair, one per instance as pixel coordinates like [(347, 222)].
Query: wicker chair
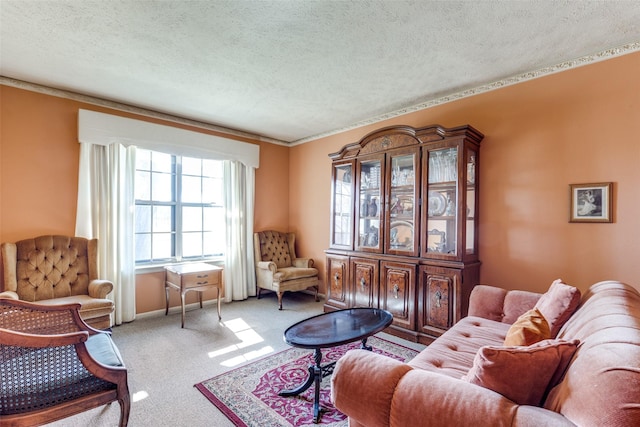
[(54, 365)]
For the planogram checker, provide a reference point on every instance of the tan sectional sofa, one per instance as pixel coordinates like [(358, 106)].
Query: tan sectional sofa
[(599, 387)]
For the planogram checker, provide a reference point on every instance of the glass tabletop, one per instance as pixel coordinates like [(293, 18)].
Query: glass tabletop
[(337, 327)]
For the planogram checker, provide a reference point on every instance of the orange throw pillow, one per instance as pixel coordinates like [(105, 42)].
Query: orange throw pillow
[(528, 329), (521, 374)]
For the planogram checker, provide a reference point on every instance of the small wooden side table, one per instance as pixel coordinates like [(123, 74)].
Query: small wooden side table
[(193, 277)]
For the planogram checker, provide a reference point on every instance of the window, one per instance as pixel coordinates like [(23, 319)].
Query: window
[(179, 208)]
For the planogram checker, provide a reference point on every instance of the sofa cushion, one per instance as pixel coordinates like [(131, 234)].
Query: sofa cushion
[(452, 353), (290, 273), (521, 374), (90, 308), (517, 302), (558, 304), (530, 328)]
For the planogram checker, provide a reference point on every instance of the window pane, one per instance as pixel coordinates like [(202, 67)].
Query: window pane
[(214, 243), (213, 168), (143, 247), (162, 245), (209, 219), (191, 218), (191, 166), (143, 159), (197, 228), (143, 185), (212, 191), (191, 191), (162, 219), (143, 219), (162, 162), (191, 244), (214, 219), (162, 189)]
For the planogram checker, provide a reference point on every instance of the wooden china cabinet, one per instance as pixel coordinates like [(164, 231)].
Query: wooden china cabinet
[(404, 224)]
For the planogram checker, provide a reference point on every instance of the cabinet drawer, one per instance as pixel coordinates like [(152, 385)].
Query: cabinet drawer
[(191, 280), (204, 278)]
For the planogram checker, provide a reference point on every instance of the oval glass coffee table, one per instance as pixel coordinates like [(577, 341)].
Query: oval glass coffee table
[(328, 330)]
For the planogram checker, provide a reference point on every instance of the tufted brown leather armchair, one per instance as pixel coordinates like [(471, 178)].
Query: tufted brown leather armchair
[(277, 267), (54, 270)]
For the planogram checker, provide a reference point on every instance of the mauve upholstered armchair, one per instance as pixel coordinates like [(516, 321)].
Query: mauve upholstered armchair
[(277, 267), (55, 270)]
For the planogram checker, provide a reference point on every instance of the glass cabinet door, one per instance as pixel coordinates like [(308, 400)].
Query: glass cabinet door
[(400, 230), (441, 203), (472, 198), (368, 208), (342, 206)]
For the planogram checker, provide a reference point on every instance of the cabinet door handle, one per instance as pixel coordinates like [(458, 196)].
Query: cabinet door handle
[(438, 297), (336, 278), (202, 276), (363, 284), (396, 290)]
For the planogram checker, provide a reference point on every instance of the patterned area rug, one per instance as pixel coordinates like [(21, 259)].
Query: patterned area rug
[(248, 395)]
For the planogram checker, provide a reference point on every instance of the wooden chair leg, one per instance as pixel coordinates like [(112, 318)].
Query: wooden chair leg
[(125, 408), (280, 300), (259, 292), (316, 288)]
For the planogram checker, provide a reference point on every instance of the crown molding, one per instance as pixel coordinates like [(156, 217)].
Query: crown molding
[(428, 103), (60, 93), (520, 78)]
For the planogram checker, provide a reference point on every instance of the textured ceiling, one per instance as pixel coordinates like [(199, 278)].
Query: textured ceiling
[(293, 70)]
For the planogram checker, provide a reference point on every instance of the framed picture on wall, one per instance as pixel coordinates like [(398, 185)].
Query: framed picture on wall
[(591, 202)]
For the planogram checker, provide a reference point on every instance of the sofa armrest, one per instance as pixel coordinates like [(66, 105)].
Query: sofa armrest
[(100, 288), (501, 305), (377, 391), (302, 262), (362, 386), (267, 265), (9, 295)]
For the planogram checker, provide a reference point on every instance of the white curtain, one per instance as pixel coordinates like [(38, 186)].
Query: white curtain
[(239, 273), (106, 211)]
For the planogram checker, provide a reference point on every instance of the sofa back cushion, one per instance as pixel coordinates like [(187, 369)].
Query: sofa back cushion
[(601, 386), (276, 247), (51, 267)]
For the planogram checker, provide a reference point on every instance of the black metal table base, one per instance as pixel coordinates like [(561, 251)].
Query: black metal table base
[(316, 374)]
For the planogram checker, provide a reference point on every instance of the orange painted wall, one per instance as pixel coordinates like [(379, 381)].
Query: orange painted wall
[(581, 125), (578, 126), (39, 154)]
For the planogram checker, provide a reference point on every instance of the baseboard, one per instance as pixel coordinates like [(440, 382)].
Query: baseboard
[(195, 305), (175, 309)]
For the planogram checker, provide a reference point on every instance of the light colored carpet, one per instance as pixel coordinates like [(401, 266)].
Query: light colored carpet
[(164, 361)]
